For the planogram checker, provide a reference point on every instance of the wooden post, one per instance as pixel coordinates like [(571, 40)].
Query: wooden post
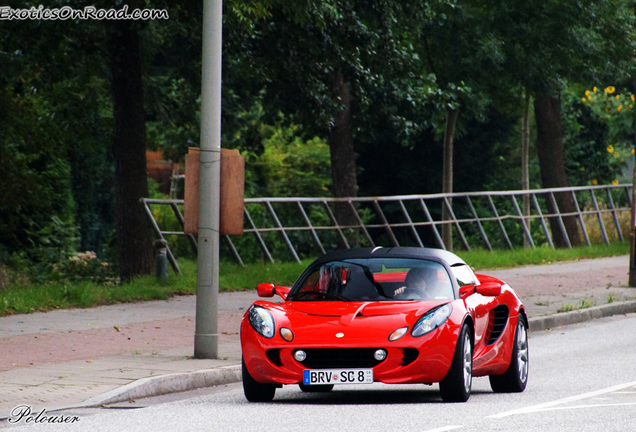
[(231, 195)]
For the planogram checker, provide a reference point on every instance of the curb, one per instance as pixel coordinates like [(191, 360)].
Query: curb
[(581, 315), (164, 384)]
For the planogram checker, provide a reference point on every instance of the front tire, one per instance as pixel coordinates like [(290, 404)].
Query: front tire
[(455, 387), (255, 391), (515, 378)]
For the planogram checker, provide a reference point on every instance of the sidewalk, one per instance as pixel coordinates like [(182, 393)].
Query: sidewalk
[(110, 354)]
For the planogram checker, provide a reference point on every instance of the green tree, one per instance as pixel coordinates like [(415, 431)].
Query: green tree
[(541, 48), (323, 64)]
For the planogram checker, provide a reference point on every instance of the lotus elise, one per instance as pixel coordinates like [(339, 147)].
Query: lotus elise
[(389, 315)]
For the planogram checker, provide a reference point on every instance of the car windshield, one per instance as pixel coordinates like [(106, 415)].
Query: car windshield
[(375, 279)]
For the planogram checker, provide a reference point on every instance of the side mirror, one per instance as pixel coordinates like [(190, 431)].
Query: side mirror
[(467, 290), (268, 290), (489, 289)]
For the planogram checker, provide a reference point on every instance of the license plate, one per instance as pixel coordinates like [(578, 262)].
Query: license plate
[(337, 376)]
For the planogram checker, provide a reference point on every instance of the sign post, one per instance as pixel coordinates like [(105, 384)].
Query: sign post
[(206, 337)]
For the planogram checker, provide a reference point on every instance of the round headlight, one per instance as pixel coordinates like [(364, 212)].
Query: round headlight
[(262, 321), (431, 320), (300, 355), (379, 355)]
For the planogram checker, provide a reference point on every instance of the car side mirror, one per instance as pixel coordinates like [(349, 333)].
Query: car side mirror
[(467, 290), (489, 289), (268, 290)]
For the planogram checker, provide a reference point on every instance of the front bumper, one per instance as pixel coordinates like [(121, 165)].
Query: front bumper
[(425, 359)]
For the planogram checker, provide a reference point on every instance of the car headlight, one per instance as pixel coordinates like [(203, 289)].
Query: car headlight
[(262, 321), (431, 320)]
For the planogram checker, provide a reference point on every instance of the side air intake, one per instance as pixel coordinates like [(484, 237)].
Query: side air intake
[(497, 323)]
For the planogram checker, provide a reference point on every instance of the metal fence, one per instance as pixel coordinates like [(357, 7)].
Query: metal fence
[(291, 228)]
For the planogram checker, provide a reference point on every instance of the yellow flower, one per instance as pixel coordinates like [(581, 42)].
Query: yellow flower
[(609, 90), (583, 100), (632, 98), (594, 182), (631, 106), (632, 151), (594, 89), (610, 148), (587, 93), (614, 182), (618, 97), (616, 154), (620, 108)]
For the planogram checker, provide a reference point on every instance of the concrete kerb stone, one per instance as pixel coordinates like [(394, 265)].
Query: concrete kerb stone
[(159, 385), (164, 384), (581, 315)]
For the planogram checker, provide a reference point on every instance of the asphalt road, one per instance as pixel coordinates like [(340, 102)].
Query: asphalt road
[(582, 378)]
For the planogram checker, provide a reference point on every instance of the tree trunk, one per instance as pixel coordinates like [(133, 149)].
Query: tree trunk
[(547, 111), (3, 282), (134, 237), (525, 157), (343, 157), (447, 180)]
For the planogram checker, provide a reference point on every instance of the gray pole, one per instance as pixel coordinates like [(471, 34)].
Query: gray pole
[(206, 338)]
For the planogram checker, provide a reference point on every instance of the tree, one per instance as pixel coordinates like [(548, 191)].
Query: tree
[(319, 63), (541, 47), (134, 238)]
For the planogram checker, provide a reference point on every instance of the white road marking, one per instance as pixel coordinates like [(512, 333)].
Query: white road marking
[(444, 429), (543, 406), (588, 406)]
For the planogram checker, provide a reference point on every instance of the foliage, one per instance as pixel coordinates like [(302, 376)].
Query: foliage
[(615, 112), (289, 166)]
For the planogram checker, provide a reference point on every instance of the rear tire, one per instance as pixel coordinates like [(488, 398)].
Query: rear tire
[(455, 387), (255, 391), (316, 388), (515, 378)]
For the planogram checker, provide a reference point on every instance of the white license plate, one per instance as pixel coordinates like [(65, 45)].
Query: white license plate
[(337, 376)]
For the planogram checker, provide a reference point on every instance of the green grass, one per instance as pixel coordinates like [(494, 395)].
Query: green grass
[(25, 298), (483, 259)]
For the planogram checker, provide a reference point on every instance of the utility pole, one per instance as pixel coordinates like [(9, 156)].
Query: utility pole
[(206, 337)]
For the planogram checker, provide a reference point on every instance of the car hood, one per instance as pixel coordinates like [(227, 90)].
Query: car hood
[(347, 312)]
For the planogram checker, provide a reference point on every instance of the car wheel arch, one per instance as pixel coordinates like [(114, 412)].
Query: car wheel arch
[(468, 320)]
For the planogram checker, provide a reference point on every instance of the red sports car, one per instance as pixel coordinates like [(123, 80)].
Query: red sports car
[(390, 315)]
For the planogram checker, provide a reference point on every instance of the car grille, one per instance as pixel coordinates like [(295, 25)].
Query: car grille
[(336, 358), (497, 323)]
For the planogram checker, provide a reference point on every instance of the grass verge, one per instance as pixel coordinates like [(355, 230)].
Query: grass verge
[(30, 298), (483, 259)]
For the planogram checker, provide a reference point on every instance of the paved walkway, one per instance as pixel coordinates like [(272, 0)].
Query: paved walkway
[(100, 355)]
